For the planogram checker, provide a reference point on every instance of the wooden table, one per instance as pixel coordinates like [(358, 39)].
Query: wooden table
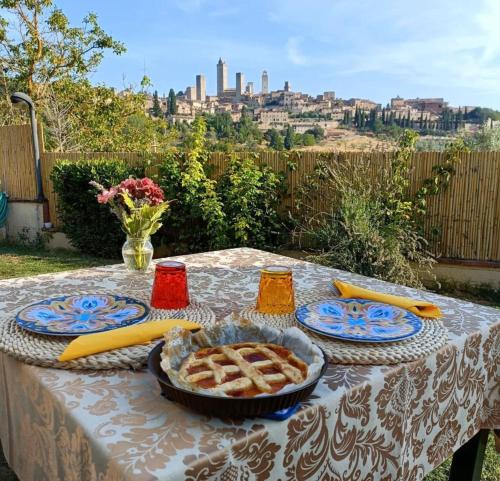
[(361, 423)]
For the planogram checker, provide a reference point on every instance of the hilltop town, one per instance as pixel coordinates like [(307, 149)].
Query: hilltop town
[(337, 118)]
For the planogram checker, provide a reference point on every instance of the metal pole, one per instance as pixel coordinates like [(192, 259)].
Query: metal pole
[(36, 152)]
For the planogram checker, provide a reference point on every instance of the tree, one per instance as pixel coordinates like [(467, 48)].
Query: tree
[(308, 139), (39, 46), (317, 131), (172, 102), (156, 110), (357, 117), (348, 118), (458, 119), (487, 139), (378, 125), (80, 116), (289, 138), (59, 126), (372, 118), (362, 119), (145, 84), (221, 124), (481, 115), (248, 132), (275, 139)]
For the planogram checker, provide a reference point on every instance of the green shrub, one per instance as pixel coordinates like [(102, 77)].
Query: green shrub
[(251, 195), (196, 220), (374, 225), (91, 227), (238, 209), (357, 235)]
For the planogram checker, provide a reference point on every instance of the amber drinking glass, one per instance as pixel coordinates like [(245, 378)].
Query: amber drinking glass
[(276, 295), (170, 289)]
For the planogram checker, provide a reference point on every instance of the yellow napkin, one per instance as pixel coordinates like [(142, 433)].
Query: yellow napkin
[(122, 337), (420, 308)]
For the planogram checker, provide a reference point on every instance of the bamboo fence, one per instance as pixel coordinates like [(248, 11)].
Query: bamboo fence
[(466, 215), (17, 167)]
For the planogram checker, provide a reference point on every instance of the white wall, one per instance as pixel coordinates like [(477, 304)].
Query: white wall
[(24, 220)]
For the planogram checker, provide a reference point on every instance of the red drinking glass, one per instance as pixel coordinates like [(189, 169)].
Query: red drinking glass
[(170, 289)]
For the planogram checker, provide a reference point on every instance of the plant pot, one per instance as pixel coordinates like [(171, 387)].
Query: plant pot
[(137, 253)]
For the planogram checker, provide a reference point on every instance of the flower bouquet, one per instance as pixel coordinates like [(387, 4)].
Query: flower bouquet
[(139, 204)]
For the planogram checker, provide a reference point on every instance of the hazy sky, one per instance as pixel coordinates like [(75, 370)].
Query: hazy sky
[(374, 49)]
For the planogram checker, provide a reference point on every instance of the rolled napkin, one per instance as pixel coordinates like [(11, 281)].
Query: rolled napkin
[(122, 337), (420, 308)]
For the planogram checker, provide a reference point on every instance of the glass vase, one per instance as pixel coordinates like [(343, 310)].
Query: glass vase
[(137, 253)]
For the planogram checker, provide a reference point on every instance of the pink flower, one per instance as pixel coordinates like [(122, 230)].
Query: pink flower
[(139, 189), (106, 195)]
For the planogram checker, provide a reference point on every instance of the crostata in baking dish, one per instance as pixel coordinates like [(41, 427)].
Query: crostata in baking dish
[(239, 359)]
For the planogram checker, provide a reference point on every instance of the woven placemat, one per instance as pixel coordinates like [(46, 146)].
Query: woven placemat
[(43, 350), (432, 337)]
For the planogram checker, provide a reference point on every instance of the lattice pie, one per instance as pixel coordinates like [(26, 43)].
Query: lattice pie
[(245, 369)]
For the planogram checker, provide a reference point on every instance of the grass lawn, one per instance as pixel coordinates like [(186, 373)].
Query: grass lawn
[(21, 261), (491, 466)]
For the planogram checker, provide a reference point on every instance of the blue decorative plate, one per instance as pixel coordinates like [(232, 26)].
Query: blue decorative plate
[(359, 320), (82, 314)]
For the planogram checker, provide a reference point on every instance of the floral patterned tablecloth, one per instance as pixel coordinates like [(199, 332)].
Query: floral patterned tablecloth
[(361, 423)]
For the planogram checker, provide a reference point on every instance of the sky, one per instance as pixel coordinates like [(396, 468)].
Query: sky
[(374, 49)]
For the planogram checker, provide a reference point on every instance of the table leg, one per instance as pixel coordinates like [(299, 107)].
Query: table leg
[(468, 460)]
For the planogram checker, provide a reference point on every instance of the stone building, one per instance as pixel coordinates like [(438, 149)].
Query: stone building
[(265, 82), (201, 88), (240, 82), (221, 78), (191, 93)]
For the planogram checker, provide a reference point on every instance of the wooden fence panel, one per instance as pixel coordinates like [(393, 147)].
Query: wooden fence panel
[(462, 222), (466, 217), (17, 165)]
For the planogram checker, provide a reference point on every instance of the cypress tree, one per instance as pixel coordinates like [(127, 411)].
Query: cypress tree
[(172, 102), (156, 110), (458, 119), (289, 138), (447, 120), (275, 140)]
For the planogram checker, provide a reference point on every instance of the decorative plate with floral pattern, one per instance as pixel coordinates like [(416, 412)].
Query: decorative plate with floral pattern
[(359, 320), (81, 314)]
